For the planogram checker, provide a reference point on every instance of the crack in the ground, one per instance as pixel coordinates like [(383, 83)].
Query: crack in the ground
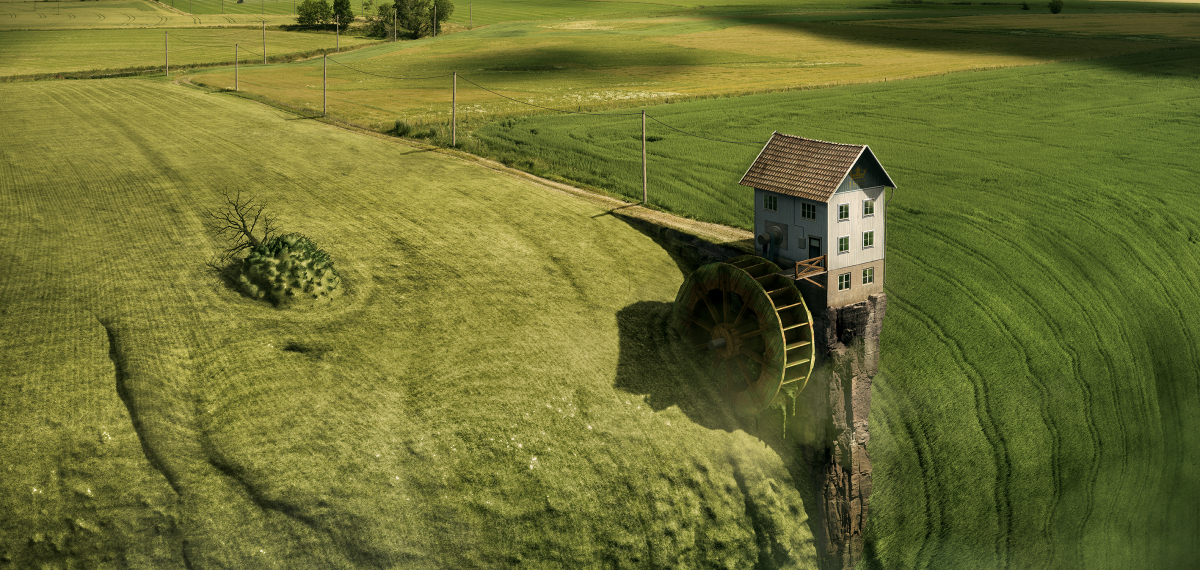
[(116, 353)]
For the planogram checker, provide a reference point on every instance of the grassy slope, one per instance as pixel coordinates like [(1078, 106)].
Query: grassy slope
[(1037, 405), (23, 15), (34, 52), (600, 64), (487, 323)]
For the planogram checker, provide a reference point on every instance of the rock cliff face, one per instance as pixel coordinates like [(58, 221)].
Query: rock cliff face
[(833, 430)]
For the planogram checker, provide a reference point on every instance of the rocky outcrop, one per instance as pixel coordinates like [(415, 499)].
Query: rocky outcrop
[(833, 427)]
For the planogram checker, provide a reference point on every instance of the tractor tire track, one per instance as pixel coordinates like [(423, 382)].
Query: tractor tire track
[(1000, 453), (1076, 370), (933, 520), (1086, 310)]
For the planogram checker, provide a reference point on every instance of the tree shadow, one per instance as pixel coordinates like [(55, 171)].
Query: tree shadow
[(1154, 59)]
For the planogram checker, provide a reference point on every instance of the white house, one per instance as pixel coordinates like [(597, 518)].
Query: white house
[(816, 198)]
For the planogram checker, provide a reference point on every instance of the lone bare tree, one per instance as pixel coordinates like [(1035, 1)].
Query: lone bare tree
[(237, 220)]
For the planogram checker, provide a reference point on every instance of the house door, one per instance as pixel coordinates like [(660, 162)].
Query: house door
[(814, 247)]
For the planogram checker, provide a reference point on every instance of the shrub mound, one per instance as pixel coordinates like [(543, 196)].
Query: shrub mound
[(290, 270)]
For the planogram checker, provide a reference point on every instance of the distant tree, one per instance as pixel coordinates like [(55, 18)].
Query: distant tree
[(1025, 5), (379, 24), (1056, 6), (312, 12), (342, 12), (416, 16)]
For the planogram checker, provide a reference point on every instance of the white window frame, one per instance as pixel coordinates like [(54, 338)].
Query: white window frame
[(844, 282), (870, 233), (847, 218), (868, 275), (840, 250), (872, 203), (768, 200), (804, 207)]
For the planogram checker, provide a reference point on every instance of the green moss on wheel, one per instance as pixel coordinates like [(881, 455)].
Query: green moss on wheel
[(288, 270)]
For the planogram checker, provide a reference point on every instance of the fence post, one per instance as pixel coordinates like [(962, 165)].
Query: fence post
[(643, 156), (324, 75), (166, 55), (264, 42), (454, 112), (337, 32), (235, 67)]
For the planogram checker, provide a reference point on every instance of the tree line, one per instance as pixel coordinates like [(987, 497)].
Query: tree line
[(385, 19)]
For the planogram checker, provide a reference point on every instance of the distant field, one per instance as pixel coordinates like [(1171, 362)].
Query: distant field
[(478, 398), (599, 64), (1041, 358), (1134, 26), (33, 52), (114, 14)]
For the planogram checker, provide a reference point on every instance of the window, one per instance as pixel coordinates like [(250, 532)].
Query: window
[(770, 203), (843, 282), (808, 211), (868, 239), (868, 275), (843, 244), (868, 208), (843, 212)]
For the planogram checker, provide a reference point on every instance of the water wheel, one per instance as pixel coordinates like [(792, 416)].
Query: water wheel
[(756, 326)]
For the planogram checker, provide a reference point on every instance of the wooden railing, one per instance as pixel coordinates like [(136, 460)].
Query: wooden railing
[(811, 268)]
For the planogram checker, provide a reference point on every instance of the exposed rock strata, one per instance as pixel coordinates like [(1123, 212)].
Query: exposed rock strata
[(833, 426)]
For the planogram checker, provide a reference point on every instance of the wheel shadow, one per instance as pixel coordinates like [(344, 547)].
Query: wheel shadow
[(656, 363)]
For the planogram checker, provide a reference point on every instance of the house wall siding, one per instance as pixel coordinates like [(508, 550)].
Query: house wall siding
[(855, 226), (857, 291), (799, 230)]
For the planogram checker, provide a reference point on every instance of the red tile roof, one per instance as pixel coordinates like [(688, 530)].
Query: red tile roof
[(802, 167)]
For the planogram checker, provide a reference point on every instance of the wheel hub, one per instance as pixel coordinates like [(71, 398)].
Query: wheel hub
[(732, 340)]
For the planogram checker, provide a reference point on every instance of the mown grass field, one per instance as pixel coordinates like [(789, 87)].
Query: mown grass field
[(602, 64), (477, 397), (52, 51), (24, 15), (1036, 406)]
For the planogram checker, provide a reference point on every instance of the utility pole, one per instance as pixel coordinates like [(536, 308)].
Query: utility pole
[(454, 112), (393, 22), (166, 54), (264, 42), (435, 19), (337, 32), (235, 67), (471, 13), (324, 78), (643, 157)]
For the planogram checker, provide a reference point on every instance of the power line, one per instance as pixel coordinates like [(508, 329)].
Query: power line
[(547, 108)]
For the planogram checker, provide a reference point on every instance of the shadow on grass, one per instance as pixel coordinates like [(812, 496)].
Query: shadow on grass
[(1148, 60)]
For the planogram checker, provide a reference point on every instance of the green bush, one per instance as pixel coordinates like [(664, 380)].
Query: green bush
[(1056, 6), (290, 270), (402, 129), (311, 12)]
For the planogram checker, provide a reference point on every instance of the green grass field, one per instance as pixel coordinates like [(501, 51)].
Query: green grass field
[(602, 64), (52, 51), (497, 387), (458, 407), (42, 15), (1036, 405)]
